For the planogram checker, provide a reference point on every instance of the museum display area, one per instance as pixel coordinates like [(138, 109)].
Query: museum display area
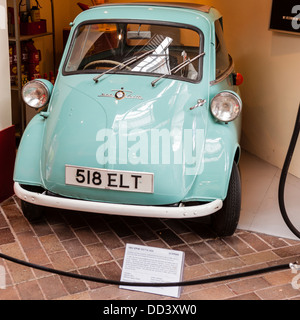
[(150, 232)]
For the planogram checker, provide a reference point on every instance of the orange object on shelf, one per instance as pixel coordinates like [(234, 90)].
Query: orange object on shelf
[(32, 28)]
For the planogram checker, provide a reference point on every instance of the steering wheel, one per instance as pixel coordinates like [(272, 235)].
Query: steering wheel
[(100, 62)]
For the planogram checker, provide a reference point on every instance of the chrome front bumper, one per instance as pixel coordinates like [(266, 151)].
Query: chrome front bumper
[(180, 212)]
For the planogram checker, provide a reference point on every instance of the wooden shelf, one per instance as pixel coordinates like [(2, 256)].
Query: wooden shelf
[(29, 37)]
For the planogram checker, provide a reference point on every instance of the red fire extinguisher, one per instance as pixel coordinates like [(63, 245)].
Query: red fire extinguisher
[(24, 63), (34, 58), (13, 64)]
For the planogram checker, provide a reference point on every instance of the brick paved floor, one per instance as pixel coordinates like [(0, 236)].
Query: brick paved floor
[(94, 245)]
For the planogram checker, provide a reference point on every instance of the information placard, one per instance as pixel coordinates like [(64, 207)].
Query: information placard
[(153, 265)]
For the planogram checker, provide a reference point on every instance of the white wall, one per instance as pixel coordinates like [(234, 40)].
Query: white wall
[(5, 97)]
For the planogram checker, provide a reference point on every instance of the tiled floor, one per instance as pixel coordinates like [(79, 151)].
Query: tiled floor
[(95, 244), (260, 209)]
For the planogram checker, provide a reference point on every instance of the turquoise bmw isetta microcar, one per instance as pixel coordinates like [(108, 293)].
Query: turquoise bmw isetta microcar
[(143, 119)]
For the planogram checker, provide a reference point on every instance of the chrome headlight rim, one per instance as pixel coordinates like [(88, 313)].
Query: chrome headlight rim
[(227, 94), (39, 85)]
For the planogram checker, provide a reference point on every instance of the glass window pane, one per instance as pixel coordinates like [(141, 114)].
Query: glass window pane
[(136, 48), (222, 57)]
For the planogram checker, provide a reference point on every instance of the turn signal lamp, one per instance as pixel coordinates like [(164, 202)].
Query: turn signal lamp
[(238, 79)]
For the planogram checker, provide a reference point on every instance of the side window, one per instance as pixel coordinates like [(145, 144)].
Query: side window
[(222, 57)]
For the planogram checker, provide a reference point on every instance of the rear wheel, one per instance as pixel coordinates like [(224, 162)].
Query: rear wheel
[(225, 221)]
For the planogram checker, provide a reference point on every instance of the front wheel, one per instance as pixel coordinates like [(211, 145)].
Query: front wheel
[(31, 211), (225, 221)]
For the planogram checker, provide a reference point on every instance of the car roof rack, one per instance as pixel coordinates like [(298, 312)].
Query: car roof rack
[(195, 6)]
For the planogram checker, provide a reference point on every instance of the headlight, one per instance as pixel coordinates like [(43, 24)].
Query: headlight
[(226, 106), (36, 93)]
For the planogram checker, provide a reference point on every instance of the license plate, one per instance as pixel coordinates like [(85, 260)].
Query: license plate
[(109, 179)]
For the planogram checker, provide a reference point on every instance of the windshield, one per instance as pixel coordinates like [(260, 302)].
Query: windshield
[(135, 48)]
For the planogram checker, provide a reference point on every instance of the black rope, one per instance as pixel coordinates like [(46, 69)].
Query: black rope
[(140, 284), (283, 176)]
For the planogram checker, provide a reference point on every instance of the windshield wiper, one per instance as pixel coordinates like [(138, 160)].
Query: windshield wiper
[(123, 65), (178, 68)]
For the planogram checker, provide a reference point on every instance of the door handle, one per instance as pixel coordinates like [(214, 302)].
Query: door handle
[(200, 103)]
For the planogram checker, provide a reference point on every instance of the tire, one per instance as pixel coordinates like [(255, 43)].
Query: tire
[(225, 221), (31, 211)]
